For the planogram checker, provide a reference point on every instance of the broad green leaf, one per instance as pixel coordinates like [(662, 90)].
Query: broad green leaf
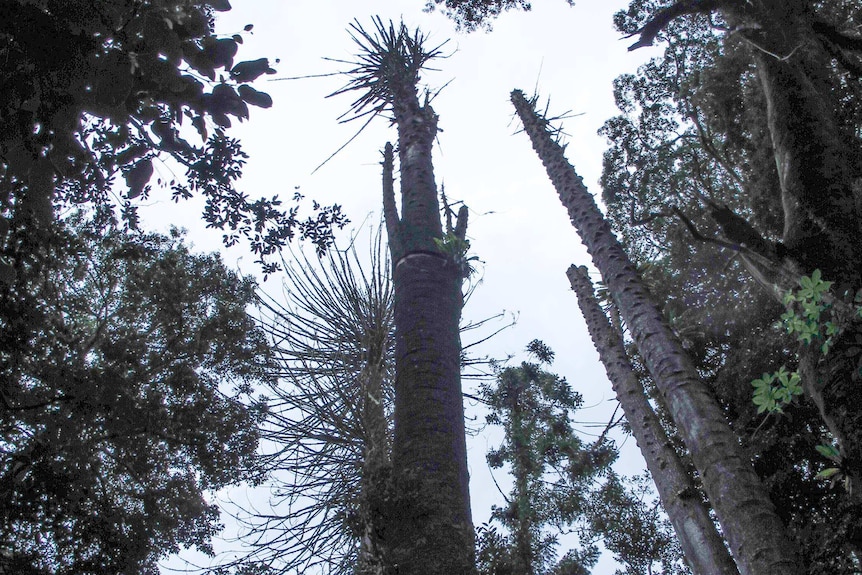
[(828, 472), (829, 451)]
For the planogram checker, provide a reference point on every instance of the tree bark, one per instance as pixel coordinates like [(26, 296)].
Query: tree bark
[(431, 528), (372, 555), (703, 547), (821, 216), (755, 533), (524, 530)]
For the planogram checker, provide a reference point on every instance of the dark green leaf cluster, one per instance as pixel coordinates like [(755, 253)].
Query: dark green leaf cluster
[(127, 368), (93, 91)]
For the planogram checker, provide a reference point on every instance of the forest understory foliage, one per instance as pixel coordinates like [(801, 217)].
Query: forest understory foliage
[(733, 180)]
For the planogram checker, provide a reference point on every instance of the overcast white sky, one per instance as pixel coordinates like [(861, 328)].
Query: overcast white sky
[(517, 225)]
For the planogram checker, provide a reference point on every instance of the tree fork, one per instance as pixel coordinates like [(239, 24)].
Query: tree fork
[(754, 531)]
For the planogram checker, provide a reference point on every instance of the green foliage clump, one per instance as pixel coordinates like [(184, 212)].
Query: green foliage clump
[(775, 390), (805, 317), (457, 248), (470, 15), (128, 368), (804, 309), (98, 92)]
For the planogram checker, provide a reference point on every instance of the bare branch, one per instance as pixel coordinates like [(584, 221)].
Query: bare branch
[(390, 211), (665, 16)]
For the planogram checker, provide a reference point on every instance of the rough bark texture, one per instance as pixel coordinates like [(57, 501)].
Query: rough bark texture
[(522, 556), (703, 547), (372, 556), (432, 528), (755, 533), (821, 217)]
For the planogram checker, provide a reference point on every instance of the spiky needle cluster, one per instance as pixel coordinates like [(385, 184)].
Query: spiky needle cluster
[(387, 64)]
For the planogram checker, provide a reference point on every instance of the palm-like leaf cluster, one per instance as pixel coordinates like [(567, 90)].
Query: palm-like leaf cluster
[(328, 413), (387, 64)]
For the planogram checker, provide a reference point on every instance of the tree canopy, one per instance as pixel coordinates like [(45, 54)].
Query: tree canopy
[(710, 179), (562, 485), (127, 374), (93, 92), (128, 363), (471, 15)]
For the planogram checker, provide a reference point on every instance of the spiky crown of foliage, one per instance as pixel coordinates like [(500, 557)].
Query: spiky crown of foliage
[(388, 63)]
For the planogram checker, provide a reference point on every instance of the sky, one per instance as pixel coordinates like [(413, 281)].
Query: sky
[(518, 228)]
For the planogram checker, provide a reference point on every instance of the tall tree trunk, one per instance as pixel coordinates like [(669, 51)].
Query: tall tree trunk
[(429, 529), (432, 524), (523, 559), (822, 224), (703, 547), (375, 464), (755, 533)]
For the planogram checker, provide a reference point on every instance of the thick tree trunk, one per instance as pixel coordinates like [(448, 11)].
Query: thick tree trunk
[(703, 547), (822, 225), (755, 533), (822, 219), (432, 530)]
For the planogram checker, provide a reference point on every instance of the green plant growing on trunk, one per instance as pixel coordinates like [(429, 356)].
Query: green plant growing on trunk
[(804, 317)]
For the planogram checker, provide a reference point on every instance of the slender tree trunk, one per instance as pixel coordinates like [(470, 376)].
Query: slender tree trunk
[(755, 533), (524, 529), (375, 465), (701, 543)]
